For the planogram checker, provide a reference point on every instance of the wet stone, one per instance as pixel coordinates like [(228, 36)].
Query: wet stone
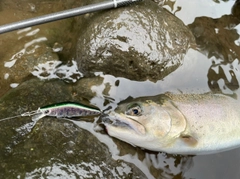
[(51, 147), (46, 50), (82, 89), (236, 9), (22, 64), (137, 42), (28, 96), (57, 148)]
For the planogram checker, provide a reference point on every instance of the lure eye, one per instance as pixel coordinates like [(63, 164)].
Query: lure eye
[(46, 111), (134, 110)]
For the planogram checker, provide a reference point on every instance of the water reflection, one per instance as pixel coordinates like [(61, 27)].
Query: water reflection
[(31, 56), (29, 48), (224, 77), (152, 164), (218, 39), (216, 67), (57, 70), (81, 170)]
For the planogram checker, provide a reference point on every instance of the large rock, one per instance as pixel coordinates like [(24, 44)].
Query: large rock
[(139, 42), (52, 148)]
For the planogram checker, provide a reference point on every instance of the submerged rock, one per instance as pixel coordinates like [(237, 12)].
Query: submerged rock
[(52, 147), (59, 148), (36, 48), (140, 42)]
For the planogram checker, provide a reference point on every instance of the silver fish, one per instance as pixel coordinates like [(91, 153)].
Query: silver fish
[(190, 124)]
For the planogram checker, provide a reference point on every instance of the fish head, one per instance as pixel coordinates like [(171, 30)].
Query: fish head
[(146, 123)]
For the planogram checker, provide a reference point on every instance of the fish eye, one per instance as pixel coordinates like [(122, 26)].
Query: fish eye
[(134, 110)]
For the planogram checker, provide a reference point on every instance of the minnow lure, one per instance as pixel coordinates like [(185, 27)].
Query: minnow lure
[(60, 110)]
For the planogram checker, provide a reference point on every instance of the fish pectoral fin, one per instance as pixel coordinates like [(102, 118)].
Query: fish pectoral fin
[(188, 139)]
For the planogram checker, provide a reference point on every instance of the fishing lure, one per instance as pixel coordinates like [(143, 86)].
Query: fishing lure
[(60, 110)]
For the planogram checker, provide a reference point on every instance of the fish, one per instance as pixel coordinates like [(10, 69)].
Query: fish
[(185, 124)]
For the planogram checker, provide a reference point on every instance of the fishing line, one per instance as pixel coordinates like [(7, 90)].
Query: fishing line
[(29, 113), (10, 117)]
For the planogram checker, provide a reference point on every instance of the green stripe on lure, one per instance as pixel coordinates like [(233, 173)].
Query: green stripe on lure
[(61, 110)]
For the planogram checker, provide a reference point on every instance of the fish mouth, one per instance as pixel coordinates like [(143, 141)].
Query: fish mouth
[(115, 120)]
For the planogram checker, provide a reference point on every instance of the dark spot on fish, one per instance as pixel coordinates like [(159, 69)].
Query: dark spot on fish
[(189, 140), (80, 112)]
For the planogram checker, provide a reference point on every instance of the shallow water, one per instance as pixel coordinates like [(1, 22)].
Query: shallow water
[(212, 66)]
